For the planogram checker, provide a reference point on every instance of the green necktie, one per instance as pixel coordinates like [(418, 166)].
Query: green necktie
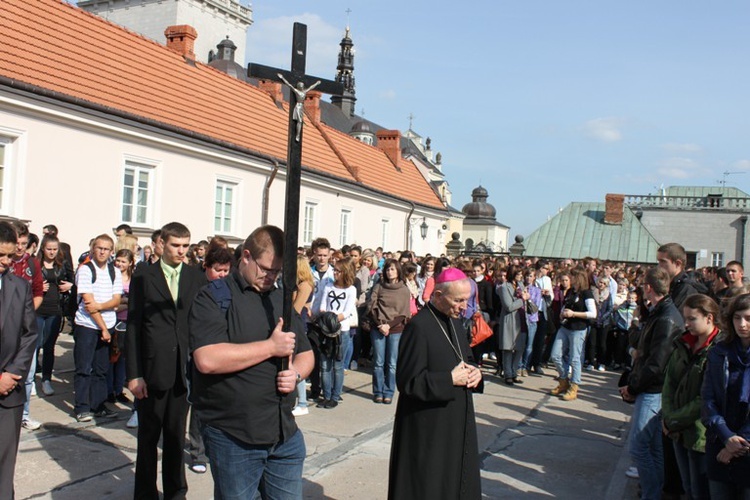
[(174, 283)]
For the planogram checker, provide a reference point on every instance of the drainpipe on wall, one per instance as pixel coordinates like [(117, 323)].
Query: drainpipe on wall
[(266, 193), (743, 233), (406, 229)]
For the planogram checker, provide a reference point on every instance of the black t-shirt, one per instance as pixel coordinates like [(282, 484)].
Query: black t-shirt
[(243, 404), (50, 305)]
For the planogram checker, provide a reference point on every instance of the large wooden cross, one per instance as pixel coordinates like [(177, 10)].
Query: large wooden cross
[(299, 84)]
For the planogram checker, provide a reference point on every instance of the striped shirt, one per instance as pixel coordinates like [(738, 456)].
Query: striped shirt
[(103, 290)]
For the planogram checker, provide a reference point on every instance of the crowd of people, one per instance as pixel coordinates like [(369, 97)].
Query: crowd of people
[(172, 315)]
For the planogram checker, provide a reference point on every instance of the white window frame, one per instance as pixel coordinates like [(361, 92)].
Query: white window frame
[(233, 186), (138, 166), (14, 142), (345, 226), (717, 259), (6, 167), (385, 229), (310, 217)]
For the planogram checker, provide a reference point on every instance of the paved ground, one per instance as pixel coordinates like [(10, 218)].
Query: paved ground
[(533, 445)]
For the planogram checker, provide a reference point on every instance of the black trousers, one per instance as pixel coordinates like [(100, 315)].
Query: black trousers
[(161, 412), (10, 432)]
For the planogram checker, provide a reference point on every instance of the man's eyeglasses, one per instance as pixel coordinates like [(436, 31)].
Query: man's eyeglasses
[(265, 271)]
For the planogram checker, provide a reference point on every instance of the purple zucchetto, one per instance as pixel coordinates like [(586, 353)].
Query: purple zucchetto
[(450, 274)]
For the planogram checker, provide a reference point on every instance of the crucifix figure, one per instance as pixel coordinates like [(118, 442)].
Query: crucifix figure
[(298, 113), (300, 84)]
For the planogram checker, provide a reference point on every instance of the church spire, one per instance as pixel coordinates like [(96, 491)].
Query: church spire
[(345, 75)]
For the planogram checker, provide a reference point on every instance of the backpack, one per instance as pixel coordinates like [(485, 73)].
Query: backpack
[(110, 268), (221, 294), (90, 265)]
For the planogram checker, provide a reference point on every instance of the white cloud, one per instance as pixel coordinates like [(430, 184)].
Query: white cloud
[(681, 168), (389, 94), (741, 165), (269, 42), (604, 129), (686, 148)]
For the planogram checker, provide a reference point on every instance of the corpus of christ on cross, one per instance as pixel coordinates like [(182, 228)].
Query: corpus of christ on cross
[(299, 84)]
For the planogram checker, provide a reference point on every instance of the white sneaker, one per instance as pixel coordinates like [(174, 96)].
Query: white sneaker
[(132, 421), (30, 424), (601, 368), (632, 472), (33, 389), (47, 388), (589, 368), (298, 411)]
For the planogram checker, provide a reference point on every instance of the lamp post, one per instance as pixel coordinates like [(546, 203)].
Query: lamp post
[(423, 228)]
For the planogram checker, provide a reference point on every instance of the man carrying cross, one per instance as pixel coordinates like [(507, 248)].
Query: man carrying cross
[(247, 361), (243, 401)]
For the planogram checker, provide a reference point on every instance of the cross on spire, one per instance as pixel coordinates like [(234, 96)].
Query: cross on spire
[(411, 119)]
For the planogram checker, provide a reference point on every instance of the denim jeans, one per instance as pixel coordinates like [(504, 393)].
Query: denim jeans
[(526, 359), (384, 360), (692, 465), (645, 444), (91, 358), (349, 353), (568, 342), (28, 384), (49, 329), (332, 371), (728, 491), (240, 470), (302, 394)]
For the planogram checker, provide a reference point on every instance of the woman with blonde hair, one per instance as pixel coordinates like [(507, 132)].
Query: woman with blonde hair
[(302, 302)]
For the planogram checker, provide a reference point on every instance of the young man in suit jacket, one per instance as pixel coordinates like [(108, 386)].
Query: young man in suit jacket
[(17, 346), (159, 301)]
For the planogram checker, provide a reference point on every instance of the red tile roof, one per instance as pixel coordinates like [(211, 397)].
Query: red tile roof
[(56, 46)]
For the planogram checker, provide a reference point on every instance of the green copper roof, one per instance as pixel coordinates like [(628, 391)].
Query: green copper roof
[(579, 231), (701, 191)]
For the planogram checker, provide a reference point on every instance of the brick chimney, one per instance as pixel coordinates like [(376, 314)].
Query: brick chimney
[(272, 88), (312, 105), (613, 208), (181, 39), (389, 142)]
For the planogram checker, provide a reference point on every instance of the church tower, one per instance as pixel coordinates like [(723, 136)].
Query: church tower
[(345, 75), (213, 20)]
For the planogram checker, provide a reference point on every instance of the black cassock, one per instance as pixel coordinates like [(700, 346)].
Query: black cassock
[(434, 452)]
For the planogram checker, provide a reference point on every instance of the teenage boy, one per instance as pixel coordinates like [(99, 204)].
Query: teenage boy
[(99, 286), (159, 299)]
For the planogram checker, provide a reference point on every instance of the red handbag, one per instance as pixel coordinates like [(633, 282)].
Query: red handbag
[(480, 330)]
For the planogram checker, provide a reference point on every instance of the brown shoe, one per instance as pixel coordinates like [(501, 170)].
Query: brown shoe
[(562, 387), (571, 393)]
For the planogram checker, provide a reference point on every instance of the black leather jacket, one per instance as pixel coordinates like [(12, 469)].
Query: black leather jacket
[(663, 325)]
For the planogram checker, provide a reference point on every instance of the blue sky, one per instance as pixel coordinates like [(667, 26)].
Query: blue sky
[(543, 102)]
